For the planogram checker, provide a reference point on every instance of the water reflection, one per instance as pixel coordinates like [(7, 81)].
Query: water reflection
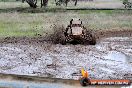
[(22, 84)]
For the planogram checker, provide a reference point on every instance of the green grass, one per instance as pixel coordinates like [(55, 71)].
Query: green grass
[(7, 0), (16, 19), (14, 29), (96, 11)]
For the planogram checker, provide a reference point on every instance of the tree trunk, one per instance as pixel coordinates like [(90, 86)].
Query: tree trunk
[(66, 2), (32, 3), (44, 3), (75, 2)]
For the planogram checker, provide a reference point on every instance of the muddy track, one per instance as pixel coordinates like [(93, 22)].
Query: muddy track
[(40, 57)]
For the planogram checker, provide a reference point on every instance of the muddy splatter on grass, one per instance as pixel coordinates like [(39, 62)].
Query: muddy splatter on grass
[(58, 34)]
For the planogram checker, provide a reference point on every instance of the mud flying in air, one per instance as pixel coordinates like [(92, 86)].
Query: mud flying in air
[(75, 33)]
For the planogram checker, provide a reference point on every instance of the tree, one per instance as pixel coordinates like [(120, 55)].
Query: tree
[(66, 2), (44, 3), (32, 3)]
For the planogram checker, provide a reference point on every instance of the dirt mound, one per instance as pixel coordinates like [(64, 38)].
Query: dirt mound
[(57, 37), (24, 40), (113, 33)]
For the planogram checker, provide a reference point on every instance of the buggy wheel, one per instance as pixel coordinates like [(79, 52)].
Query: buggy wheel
[(93, 41), (89, 38), (63, 42)]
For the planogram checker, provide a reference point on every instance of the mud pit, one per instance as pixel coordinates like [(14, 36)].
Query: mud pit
[(110, 58)]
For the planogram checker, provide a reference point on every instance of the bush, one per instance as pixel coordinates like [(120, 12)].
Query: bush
[(127, 4)]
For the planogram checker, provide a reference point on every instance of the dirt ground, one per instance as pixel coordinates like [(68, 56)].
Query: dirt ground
[(110, 58)]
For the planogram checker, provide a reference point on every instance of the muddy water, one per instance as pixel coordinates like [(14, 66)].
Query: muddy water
[(19, 81), (110, 58), (19, 84)]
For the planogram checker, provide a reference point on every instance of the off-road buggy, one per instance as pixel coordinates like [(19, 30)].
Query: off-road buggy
[(76, 33)]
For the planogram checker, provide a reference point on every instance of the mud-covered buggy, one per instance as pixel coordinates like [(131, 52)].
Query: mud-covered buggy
[(76, 33)]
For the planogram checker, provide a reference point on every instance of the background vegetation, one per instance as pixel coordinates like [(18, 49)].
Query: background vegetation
[(18, 19)]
